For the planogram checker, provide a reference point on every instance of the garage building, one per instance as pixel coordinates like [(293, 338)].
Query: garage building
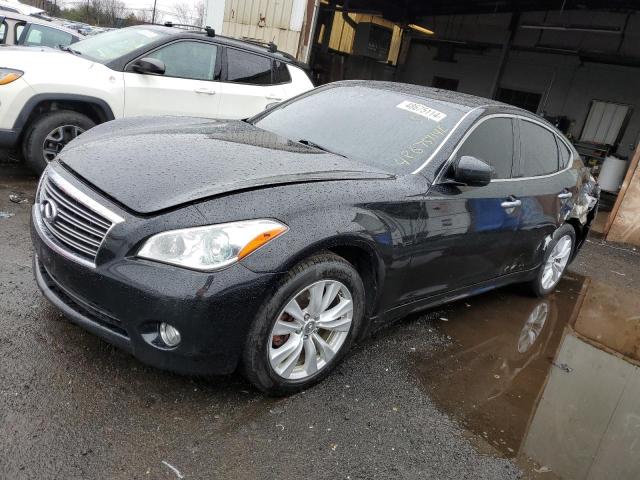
[(576, 63)]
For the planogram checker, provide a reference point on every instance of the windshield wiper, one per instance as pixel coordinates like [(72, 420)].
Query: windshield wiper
[(69, 49), (309, 143)]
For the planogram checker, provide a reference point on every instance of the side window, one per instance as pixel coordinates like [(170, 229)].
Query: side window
[(39, 35), (281, 72), (492, 142), (565, 154), (539, 150), (3, 31), (245, 67), (195, 60)]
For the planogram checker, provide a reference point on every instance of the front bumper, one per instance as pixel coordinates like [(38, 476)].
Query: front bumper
[(14, 110), (123, 300)]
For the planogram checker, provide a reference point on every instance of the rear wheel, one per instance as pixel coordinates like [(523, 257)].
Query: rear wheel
[(556, 258), (49, 134), (307, 327)]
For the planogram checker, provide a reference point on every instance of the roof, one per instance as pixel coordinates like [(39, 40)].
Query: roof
[(464, 99), (470, 101), (262, 49)]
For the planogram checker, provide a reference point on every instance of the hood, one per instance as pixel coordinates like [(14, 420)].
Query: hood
[(157, 163), (42, 58)]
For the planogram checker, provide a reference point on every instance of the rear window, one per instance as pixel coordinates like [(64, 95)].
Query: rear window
[(41, 36), (539, 150), (389, 130), (281, 73), (245, 67)]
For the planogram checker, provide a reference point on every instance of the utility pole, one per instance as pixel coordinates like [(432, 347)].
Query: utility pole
[(153, 15)]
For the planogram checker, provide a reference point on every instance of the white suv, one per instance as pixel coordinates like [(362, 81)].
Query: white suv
[(48, 97)]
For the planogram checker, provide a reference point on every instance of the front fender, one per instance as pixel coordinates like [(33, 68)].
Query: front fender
[(325, 230)]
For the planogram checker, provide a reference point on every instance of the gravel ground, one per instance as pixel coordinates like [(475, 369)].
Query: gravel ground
[(72, 406)]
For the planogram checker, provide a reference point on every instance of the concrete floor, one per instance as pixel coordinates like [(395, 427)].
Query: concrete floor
[(72, 406)]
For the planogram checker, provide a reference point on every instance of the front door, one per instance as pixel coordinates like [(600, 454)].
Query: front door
[(189, 86), (468, 232), (249, 86)]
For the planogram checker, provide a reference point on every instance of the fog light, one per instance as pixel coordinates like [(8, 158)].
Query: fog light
[(169, 335)]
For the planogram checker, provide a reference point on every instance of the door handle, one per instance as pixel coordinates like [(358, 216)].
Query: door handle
[(205, 91), (564, 195), (511, 204), (274, 97)]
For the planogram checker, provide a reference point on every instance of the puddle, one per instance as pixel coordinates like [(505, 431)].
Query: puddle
[(555, 381)]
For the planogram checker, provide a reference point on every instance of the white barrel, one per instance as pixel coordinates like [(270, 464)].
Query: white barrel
[(612, 174)]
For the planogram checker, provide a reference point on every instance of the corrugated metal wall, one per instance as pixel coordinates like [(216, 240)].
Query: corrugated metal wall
[(278, 21)]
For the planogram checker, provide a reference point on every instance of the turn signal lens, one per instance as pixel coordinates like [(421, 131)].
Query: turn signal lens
[(260, 240), (8, 75)]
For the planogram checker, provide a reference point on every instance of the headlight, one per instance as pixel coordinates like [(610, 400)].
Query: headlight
[(212, 247), (8, 75)]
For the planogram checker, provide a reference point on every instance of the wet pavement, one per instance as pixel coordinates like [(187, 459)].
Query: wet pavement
[(552, 380), (498, 386)]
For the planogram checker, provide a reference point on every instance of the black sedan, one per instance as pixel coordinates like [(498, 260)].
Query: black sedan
[(273, 244)]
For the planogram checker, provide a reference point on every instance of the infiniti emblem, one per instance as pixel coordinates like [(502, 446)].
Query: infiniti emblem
[(49, 210)]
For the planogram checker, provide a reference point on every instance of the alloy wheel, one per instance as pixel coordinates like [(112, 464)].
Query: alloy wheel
[(57, 139), (310, 330), (556, 262)]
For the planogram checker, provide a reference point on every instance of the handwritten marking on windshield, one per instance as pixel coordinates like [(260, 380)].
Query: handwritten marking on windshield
[(417, 148)]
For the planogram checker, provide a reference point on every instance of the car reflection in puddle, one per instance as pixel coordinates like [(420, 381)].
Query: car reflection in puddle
[(553, 380)]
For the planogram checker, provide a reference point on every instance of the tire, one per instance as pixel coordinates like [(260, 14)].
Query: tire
[(42, 127), (538, 286), (328, 271)]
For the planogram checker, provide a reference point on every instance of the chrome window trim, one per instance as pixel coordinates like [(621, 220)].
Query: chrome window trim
[(81, 197), (438, 178)]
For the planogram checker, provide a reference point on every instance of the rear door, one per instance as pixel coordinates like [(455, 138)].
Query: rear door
[(250, 84), (468, 231), (189, 86), (547, 188)]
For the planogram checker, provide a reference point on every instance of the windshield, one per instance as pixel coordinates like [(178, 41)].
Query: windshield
[(386, 129), (110, 45)]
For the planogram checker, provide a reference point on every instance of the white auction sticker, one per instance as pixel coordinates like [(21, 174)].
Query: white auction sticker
[(423, 110)]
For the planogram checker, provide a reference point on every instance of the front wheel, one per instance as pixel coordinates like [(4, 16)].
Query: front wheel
[(307, 327), (556, 258), (48, 135)]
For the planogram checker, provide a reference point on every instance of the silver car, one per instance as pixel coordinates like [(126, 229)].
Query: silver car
[(27, 30)]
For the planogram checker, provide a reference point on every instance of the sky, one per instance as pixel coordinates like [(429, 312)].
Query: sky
[(164, 6)]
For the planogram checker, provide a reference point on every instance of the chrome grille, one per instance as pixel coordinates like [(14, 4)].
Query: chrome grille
[(70, 221)]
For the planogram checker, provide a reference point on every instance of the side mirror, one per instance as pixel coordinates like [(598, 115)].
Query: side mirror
[(148, 65), (472, 171)]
